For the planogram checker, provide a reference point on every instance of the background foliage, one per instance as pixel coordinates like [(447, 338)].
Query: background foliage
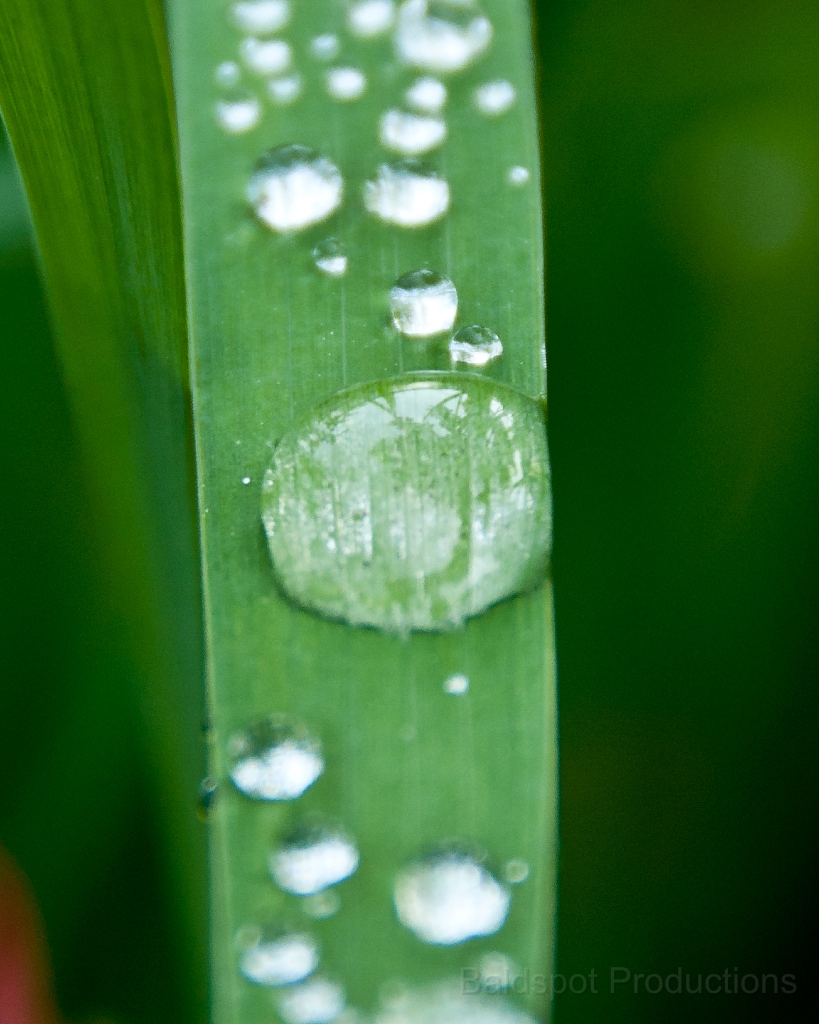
[(683, 184)]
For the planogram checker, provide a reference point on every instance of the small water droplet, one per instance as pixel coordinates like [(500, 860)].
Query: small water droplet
[(407, 193), (441, 35), (314, 856), (322, 905), (274, 759), (423, 303), (427, 95), (450, 1002), (517, 175), (284, 91), (324, 47), (245, 480), (345, 84), (330, 258), (239, 115), (227, 73), (410, 134), (206, 797), (494, 98), (317, 1001), (457, 684), (260, 17), (450, 897), (516, 871), (266, 56), (475, 346), (272, 956), (434, 489), (498, 972), (369, 18), (293, 187)]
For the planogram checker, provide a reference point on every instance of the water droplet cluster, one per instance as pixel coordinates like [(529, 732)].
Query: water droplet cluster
[(428, 497)]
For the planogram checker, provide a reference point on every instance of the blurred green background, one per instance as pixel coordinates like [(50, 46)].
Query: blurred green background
[(682, 156)]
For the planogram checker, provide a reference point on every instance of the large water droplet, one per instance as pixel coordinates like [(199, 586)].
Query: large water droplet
[(369, 18), (260, 17), (450, 1003), (317, 1001), (284, 91), (450, 897), (239, 114), (411, 503), (273, 956), (408, 193), (494, 98), (423, 304), (345, 84), (441, 35), (330, 258), (427, 95), (475, 346), (293, 187), (314, 856), (324, 47), (274, 759), (410, 134), (266, 56)]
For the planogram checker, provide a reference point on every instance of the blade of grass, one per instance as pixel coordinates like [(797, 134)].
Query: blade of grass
[(84, 97), (270, 339)]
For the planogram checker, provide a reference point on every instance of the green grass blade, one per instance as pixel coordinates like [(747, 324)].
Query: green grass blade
[(407, 764), (85, 100)]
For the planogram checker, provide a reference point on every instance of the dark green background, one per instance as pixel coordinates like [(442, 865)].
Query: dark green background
[(682, 156)]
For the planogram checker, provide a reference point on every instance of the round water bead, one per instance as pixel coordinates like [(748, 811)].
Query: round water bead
[(441, 36), (450, 1002), (494, 98), (273, 956), (423, 303), (293, 187), (274, 759), (312, 857), (330, 258), (475, 346), (345, 84), (410, 134), (317, 1001), (369, 18), (260, 17), (284, 91), (450, 897), (325, 47), (427, 95), (407, 193), (239, 113), (412, 503), (266, 56)]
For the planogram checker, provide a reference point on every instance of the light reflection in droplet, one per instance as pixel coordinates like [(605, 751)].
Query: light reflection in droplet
[(274, 759), (441, 36), (345, 84), (270, 956), (266, 56), (313, 857), (494, 98), (517, 175), (325, 47), (451, 1002), (239, 115), (369, 18), (423, 303), (322, 905), (410, 134), (260, 17), (227, 73), (317, 1001), (475, 346), (516, 871), (284, 91), (450, 897), (427, 95), (330, 258), (407, 193), (457, 684), (293, 187)]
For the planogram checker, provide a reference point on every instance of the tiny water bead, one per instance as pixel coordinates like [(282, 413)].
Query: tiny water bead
[(423, 304), (345, 84), (227, 73), (412, 503), (317, 1001), (284, 91), (494, 98), (274, 759), (451, 1002), (330, 258), (266, 56), (475, 346), (441, 36), (239, 114), (517, 175), (206, 797), (497, 972), (516, 871), (427, 95), (322, 905), (456, 684), (407, 193), (293, 187), (260, 17), (314, 856), (271, 956), (369, 18), (410, 134), (325, 47), (450, 897)]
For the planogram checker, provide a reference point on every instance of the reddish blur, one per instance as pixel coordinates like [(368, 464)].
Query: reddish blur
[(25, 977)]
